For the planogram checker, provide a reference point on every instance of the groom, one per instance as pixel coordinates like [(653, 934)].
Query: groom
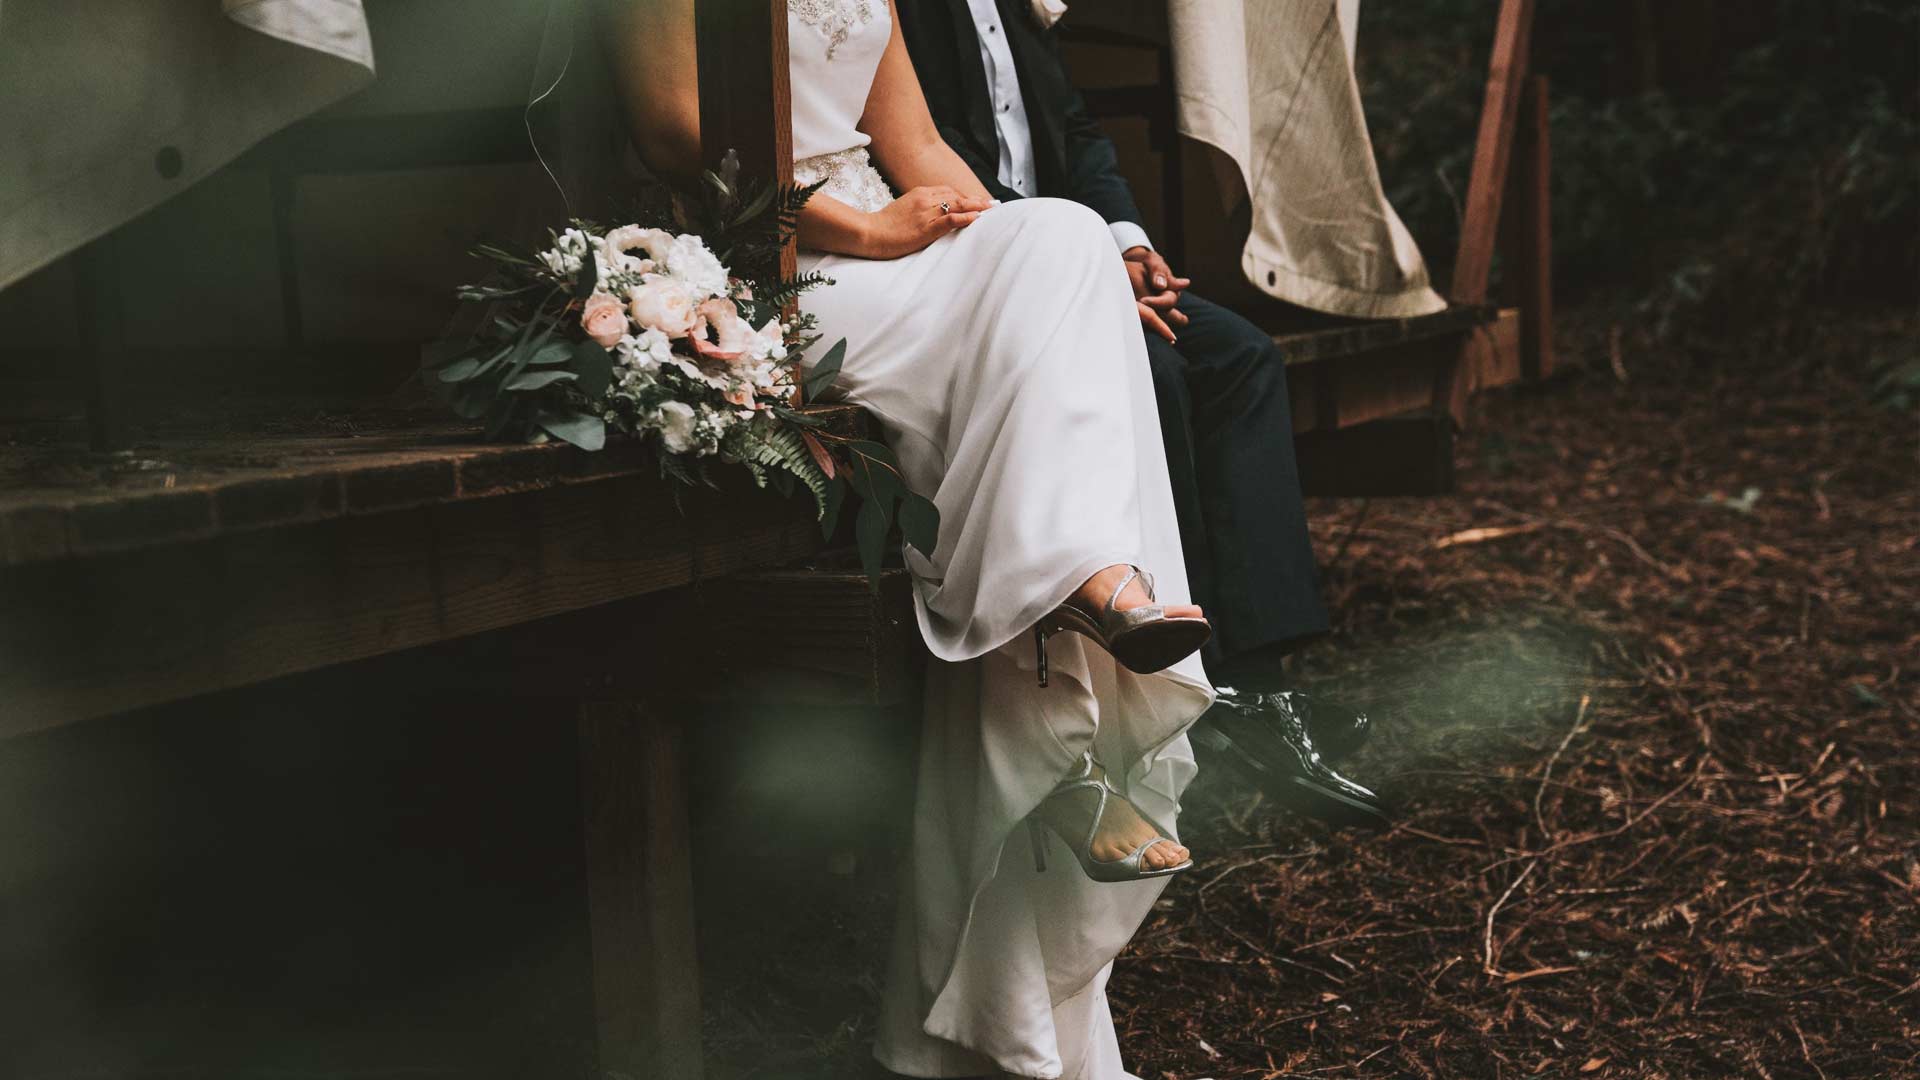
[(997, 90)]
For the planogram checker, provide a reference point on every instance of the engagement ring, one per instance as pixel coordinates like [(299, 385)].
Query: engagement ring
[(945, 209)]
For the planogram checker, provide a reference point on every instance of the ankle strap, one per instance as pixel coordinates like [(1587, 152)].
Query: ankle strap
[(1146, 579)]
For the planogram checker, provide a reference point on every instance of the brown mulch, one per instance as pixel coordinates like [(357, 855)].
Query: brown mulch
[(1647, 699), (1650, 696)]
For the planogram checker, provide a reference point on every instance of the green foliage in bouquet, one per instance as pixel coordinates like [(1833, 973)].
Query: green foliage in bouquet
[(677, 329)]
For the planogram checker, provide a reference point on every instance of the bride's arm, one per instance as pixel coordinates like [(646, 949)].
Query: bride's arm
[(906, 144), (908, 149), (650, 42)]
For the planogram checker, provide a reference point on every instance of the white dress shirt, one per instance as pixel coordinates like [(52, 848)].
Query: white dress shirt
[(1012, 131)]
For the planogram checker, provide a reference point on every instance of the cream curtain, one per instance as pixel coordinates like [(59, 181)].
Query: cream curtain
[(1270, 84), (109, 107)]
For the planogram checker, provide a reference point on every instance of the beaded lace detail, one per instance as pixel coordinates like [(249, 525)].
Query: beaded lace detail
[(833, 18), (850, 176)]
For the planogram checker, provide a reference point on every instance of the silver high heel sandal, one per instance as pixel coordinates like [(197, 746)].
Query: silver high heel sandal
[(1144, 639), (1131, 868)]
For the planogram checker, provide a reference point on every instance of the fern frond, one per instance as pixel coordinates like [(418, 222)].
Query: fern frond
[(777, 446), (791, 288)]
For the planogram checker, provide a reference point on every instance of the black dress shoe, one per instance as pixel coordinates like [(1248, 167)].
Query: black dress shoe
[(1337, 729), (1265, 739)]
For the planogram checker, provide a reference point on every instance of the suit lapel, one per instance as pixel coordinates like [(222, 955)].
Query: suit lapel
[(975, 102), (1042, 89)]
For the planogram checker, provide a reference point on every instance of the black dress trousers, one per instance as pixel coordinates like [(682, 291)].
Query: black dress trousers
[(1228, 426)]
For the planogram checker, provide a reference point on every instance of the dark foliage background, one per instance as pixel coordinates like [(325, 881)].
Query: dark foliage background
[(1715, 163)]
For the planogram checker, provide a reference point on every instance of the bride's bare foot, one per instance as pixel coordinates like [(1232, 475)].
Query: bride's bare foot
[(1092, 596), (1121, 828)]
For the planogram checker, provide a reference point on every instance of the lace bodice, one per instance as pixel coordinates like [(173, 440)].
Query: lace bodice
[(833, 51)]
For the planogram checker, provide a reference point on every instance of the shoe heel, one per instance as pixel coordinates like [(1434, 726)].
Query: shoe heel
[(1039, 839), (1040, 657)]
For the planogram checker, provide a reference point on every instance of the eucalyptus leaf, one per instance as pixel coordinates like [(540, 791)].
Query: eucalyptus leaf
[(472, 400), (920, 523), (870, 534), (501, 413), (534, 380), (793, 416), (821, 377), (836, 498), (755, 207), (875, 472), (460, 370), (530, 343), (594, 364), (440, 353), (581, 429), (553, 352)]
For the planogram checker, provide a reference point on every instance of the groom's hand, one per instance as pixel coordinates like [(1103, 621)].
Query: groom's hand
[(1156, 290)]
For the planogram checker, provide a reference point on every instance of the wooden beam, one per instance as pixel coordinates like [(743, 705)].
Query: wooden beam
[(646, 973), (81, 638), (746, 100), (1506, 76), (1526, 232)]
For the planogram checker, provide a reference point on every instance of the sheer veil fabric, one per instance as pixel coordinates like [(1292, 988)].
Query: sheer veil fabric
[(1005, 366)]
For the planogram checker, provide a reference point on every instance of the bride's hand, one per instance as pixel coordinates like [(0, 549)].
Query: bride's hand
[(917, 219)]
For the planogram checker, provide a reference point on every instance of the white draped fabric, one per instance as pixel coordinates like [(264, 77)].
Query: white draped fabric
[(109, 108), (1270, 84), (1006, 367)]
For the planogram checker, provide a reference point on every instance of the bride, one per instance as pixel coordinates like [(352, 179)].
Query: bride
[(998, 347)]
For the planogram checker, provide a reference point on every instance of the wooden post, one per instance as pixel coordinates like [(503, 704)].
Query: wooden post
[(1506, 77), (1526, 233), (646, 976), (746, 104)]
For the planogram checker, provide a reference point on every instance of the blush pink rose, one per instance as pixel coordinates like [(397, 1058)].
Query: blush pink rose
[(663, 304), (604, 319), (741, 395), (731, 334)]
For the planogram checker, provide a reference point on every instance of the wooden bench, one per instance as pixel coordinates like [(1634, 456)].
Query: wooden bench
[(208, 563), (219, 557)]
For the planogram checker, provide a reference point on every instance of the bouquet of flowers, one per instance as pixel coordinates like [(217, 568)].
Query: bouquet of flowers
[(643, 331)]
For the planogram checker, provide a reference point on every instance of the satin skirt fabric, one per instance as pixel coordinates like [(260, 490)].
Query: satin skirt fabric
[(1005, 366)]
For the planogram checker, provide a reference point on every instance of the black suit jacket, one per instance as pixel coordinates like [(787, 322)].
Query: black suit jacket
[(1073, 159)]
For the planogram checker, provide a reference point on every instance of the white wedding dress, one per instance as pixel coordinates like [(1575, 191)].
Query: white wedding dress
[(1006, 368)]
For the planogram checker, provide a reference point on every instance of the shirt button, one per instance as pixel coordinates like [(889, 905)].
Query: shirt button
[(991, 29)]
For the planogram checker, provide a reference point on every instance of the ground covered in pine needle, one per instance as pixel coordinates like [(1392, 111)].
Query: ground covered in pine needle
[(1648, 700)]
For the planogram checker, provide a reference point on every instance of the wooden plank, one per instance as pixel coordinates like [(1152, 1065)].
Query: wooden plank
[(62, 502), (646, 974), (844, 643), (1526, 232), (1506, 82), (1402, 378), (82, 638), (1336, 338), (1489, 358)]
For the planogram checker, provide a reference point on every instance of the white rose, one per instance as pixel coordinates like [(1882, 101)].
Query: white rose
[(675, 425), (768, 343), (690, 263), (663, 304), (647, 351), (655, 242)]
